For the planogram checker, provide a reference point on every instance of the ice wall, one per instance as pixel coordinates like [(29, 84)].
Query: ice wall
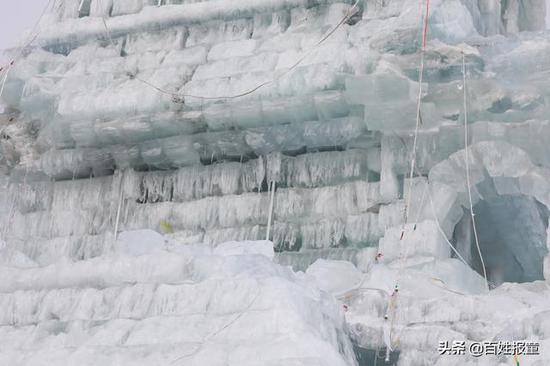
[(128, 115), (333, 131)]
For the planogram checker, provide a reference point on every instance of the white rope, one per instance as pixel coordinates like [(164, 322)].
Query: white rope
[(415, 139), (468, 183), (435, 218), (4, 79), (80, 6), (418, 105), (32, 38), (387, 341), (393, 301)]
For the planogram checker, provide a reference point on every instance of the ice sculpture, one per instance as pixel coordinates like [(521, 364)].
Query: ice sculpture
[(145, 115)]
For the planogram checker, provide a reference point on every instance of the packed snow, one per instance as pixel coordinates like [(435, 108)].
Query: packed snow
[(153, 303)]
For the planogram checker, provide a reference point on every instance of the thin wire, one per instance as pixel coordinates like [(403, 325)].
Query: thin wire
[(393, 301), (7, 67), (418, 112), (435, 218), (467, 157), (416, 130), (4, 80), (34, 30), (227, 325), (179, 97), (351, 12), (392, 307)]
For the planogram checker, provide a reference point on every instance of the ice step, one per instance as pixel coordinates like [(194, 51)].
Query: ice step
[(77, 30), (336, 215), (303, 80), (207, 148), (437, 145), (77, 247), (191, 183), (135, 129), (300, 261), (96, 302), (116, 323), (348, 231), (127, 130), (99, 273), (291, 204)]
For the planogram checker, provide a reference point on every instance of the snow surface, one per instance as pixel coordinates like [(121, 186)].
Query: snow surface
[(231, 306), (442, 301)]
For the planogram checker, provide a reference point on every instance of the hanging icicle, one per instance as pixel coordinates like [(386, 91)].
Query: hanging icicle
[(271, 199), (271, 191), (119, 206)]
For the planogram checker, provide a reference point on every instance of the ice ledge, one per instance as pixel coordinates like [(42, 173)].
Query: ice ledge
[(79, 30)]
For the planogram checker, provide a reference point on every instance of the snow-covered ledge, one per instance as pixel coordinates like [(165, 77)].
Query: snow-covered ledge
[(154, 18)]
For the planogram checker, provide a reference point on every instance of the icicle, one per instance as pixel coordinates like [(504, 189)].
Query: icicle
[(120, 197), (260, 172), (270, 210)]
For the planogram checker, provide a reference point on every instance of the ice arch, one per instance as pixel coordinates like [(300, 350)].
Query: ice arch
[(512, 205)]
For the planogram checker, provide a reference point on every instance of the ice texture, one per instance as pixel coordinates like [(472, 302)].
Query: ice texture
[(442, 300), (185, 307), (135, 138)]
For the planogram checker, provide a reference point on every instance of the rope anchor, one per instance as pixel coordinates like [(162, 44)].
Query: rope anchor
[(178, 99)]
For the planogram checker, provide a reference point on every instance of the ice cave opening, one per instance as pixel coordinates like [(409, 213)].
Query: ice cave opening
[(512, 232)]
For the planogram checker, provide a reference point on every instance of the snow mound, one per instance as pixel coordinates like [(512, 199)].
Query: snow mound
[(146, 306), (335, 277), (140, 242), (445, 301), (261, 247)]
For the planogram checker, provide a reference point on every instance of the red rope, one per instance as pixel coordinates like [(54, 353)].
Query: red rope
[(413, 164), (425, 33)]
